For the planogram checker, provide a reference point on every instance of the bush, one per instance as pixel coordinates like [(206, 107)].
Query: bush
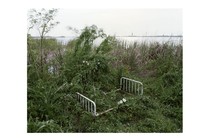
[(92, 70)]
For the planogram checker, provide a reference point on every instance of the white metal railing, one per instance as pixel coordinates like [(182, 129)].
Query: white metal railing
[(126, 84), (87, 104), (131, 86)]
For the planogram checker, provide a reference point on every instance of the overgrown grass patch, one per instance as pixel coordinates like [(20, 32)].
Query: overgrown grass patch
[(95, 73)]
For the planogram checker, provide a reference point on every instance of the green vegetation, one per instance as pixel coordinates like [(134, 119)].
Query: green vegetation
[(43, 21), (91, 70), (81, 67)]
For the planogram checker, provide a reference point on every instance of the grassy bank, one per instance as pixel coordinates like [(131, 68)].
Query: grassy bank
[(80, 67)]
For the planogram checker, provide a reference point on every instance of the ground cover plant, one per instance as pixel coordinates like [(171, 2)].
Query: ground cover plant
[(57, 72)]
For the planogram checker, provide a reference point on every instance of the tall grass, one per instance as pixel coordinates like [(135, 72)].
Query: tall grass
[(79, 66)]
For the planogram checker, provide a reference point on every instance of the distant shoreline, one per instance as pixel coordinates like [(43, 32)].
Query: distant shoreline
[(115, 36), (154, 36)]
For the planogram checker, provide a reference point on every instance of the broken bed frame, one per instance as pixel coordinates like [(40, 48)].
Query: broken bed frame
[(126, 84)]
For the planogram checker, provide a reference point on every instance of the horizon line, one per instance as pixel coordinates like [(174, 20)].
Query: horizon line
[(126, 36)]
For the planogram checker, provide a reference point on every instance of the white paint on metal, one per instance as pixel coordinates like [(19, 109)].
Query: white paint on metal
[(127, 84), (87, 103)]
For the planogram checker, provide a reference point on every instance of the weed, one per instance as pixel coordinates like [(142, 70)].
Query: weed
[(93, 71)]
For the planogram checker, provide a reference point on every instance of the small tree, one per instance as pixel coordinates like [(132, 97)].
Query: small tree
[(43, 21)]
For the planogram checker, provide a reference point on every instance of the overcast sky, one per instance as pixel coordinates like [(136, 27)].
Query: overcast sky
[(120, 21)]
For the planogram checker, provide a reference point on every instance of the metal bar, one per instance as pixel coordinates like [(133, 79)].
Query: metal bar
[(85, 102), (107, 111), (131, 85), (132, 80), (126, 84), (135, 88), (142, 89)]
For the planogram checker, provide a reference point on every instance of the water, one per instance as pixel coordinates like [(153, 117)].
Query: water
[(160, 39), (175, 40), (65, 40)]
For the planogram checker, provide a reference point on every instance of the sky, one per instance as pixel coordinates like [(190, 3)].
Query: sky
[(120, 22)]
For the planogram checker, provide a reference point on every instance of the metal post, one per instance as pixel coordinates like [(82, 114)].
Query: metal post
[(121, 83), (135, 88), (142, 90)]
